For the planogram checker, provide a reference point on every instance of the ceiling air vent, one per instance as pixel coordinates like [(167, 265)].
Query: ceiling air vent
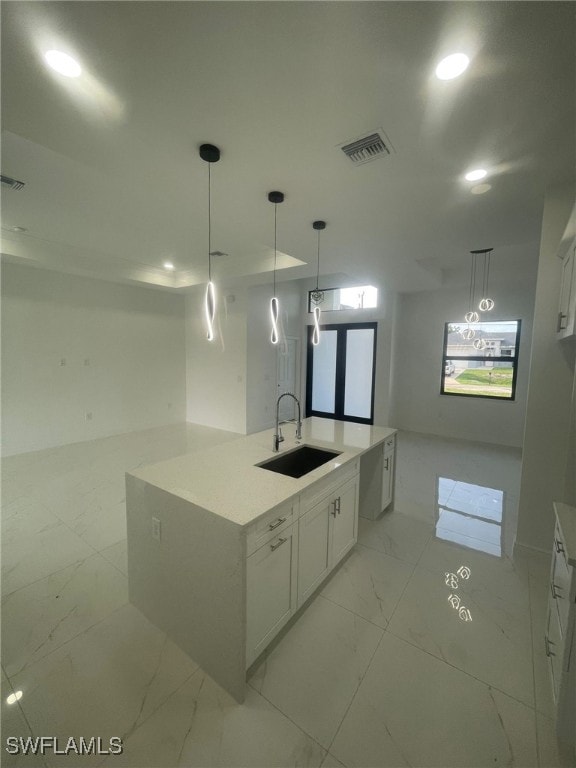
[(11, 183), (367, 148)]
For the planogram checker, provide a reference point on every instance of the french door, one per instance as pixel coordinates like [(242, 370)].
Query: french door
[(341, 371)]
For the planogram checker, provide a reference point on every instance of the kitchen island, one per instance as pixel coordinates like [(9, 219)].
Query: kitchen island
[(223, 552)]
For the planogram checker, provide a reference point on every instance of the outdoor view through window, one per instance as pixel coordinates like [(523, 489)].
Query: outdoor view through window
[(484, 365)]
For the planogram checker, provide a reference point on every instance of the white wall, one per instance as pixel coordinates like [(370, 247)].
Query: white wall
[(417, 404), (383, 315), (546, 472), (216, 370), (132, 338)]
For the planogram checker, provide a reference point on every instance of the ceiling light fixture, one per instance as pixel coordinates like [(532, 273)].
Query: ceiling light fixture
[(168, 265), (210, 154), (476, 175), (452, 66), (481, 189), (317, 295), (63, 63), (275, 197)]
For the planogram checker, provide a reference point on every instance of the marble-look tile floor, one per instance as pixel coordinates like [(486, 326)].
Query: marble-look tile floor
[(424, 648)]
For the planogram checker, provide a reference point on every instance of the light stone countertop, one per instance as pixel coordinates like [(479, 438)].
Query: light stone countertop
[(224, 479), (567, 521)]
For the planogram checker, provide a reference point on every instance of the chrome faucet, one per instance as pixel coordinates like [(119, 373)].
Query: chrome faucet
[(278, 437)]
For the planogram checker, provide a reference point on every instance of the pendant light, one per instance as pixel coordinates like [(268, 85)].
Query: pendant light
[(275, 197), (486, 304), (210, 154), (472, 316), (317, 295)]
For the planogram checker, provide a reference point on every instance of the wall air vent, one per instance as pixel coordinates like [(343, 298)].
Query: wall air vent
[(367, 148), (11, 183)]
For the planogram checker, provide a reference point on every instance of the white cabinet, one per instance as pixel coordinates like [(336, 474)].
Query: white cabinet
[(328, 530), (270, 589), (566, 325), (388, 473), (293, 549), (560, 638), (377, 479)]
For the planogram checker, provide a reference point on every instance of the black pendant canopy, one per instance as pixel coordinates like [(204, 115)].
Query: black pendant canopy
[(209, 153)]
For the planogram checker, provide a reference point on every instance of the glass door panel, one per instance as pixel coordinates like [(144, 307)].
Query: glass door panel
[(358, 377), (324, 381)]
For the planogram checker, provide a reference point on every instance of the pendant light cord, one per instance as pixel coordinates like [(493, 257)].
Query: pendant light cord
[(275, 222), (318, 262), (209, 225)]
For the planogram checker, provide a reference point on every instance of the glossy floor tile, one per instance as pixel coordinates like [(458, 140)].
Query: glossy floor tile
[(424, 649), (442, 718)]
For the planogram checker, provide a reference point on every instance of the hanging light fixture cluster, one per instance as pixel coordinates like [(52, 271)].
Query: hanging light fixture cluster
[(317, 295), (210, 154), (485, 304)]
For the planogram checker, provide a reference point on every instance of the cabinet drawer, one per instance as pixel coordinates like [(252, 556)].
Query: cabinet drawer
[(324, 487), (270, 526), (390, 444)]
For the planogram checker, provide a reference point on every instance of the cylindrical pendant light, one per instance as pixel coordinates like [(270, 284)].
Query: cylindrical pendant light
[(210, 154), (275, 197), (317, 295)]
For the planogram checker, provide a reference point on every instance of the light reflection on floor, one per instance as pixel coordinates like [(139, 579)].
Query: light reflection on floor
[(470, 515)]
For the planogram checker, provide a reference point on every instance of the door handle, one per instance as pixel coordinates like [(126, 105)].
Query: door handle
[(548, 643), (387, 463), (335, 510), (561, 317)]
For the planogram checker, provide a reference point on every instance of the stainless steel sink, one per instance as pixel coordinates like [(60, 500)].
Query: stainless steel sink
[(298, 462)]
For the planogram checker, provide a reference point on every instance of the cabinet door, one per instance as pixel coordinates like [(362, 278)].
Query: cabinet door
[(313, 559), (387, 479), (344, 520), (567, 306), (270, 590)]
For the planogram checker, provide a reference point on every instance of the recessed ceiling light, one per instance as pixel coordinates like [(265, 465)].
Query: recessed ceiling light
[(480, 189), (14, 697), (476, 175), (63, 63), (168, 265), (19, 229), (452, 66)]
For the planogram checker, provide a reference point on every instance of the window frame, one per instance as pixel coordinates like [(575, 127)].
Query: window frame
[(511, 359)]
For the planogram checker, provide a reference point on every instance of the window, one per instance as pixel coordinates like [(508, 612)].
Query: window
[(340, 372), (488, 372), (357, 297)]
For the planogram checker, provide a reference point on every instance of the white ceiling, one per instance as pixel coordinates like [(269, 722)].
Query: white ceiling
[(115, 186)]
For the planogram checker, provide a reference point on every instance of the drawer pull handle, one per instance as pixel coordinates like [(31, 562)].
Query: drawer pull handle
[(553, 589), (277, 523), (548, 643), (335, 510), (559, 546), (278, 544), (386, 466)]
